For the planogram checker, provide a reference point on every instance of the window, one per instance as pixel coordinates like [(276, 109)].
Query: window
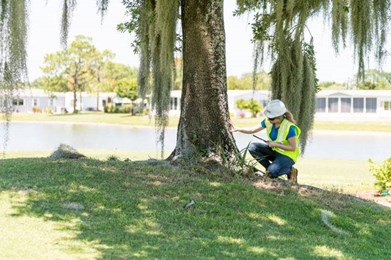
[(371, 105), (358, 105), (174, 103), (17, 102), (52, 102), (320, 104), (35, 102), (333, 105), (387, 105), (346, 104)]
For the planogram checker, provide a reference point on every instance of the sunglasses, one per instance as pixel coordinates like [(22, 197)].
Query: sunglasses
[(272, 119)]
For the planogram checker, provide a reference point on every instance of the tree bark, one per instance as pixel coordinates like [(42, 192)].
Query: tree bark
[(203, 127), (74, 95)]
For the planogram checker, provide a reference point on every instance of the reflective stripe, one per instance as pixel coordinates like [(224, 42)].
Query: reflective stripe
[(281, 131)]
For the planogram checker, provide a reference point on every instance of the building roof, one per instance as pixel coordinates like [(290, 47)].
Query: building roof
[(354, 93)]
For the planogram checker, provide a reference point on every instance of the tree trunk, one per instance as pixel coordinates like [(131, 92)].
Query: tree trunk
[(74, 95), (74, 101), (203, 125), (97, 101), (80, 99)]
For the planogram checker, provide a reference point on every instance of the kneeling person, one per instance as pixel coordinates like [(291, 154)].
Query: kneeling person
[(280, 153)]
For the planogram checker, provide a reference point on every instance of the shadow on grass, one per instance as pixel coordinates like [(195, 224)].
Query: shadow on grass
[(136, 209)]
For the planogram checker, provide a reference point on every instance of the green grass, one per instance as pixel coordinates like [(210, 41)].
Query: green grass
[(125, 119), (135, 210), (332, 174)]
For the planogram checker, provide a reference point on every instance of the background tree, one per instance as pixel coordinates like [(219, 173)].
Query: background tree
[(51, 83), (72, 64), (375, 79), (116, 72), (245, 82), (96, 67), (251, 105), (127, 88)]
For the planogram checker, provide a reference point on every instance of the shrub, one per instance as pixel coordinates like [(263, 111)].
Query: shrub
[(113, 109), (382, 173), (251, 105), (37, 110)]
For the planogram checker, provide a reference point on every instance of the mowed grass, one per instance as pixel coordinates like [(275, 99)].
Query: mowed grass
[(136, 210), (333, 174), (126, 119)]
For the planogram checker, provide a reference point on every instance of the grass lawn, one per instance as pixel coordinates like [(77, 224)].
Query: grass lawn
[(132, 209), (98, 117), (332, 174)]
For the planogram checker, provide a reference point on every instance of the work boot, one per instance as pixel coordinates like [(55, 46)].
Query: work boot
[(292, 176)]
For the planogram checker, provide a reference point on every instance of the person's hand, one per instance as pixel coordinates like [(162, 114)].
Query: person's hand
[(231, 128)]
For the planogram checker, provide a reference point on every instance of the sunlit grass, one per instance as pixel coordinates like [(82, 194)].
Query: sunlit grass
[(136, 210)]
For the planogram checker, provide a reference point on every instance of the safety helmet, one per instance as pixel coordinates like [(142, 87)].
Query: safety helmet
[(274, 109)]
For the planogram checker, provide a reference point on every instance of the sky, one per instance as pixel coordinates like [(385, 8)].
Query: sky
[(44, 38)]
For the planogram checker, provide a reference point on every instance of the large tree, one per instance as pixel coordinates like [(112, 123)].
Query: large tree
[(279, 28), (280, 24)]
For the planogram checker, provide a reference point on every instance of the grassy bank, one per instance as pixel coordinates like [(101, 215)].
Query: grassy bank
[(130, 209), (125, 119), (332, 174)]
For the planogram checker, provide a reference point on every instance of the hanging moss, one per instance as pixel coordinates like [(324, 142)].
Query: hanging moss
[(67, 9), (280, 26)]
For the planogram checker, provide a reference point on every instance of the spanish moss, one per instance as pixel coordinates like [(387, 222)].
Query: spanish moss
[(102, 7), (67, 9), (281, 25), (13, 68)]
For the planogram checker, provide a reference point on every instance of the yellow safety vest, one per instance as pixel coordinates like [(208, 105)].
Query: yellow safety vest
[(283, 131)]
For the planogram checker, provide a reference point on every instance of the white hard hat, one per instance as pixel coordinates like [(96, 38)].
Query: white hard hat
[(274, 109)]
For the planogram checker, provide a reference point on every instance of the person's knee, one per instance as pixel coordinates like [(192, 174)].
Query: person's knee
[(252, 148), (274, 170)]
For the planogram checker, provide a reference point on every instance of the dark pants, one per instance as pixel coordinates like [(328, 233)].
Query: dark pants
[(275, 163)]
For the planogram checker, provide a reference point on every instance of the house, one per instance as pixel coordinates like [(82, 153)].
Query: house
[(38, 100), (340, 104), (330, 104), (262, 96), (29, 100), (233, 96)]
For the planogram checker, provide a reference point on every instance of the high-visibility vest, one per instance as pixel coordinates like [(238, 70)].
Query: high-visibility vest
[(283, 131)]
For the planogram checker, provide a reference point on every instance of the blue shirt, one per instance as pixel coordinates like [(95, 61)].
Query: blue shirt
[(274, 132)]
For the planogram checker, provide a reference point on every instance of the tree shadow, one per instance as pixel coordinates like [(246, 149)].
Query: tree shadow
[(136, 210)]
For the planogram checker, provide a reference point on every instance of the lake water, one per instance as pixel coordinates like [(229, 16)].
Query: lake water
[(47, 136)]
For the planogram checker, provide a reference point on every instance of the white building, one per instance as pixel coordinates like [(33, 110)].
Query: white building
[(233, 97), (353, 104), (29, 100), (330, 104), (37, 100)]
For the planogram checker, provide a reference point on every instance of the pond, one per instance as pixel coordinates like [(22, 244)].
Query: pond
[(47, 136)]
